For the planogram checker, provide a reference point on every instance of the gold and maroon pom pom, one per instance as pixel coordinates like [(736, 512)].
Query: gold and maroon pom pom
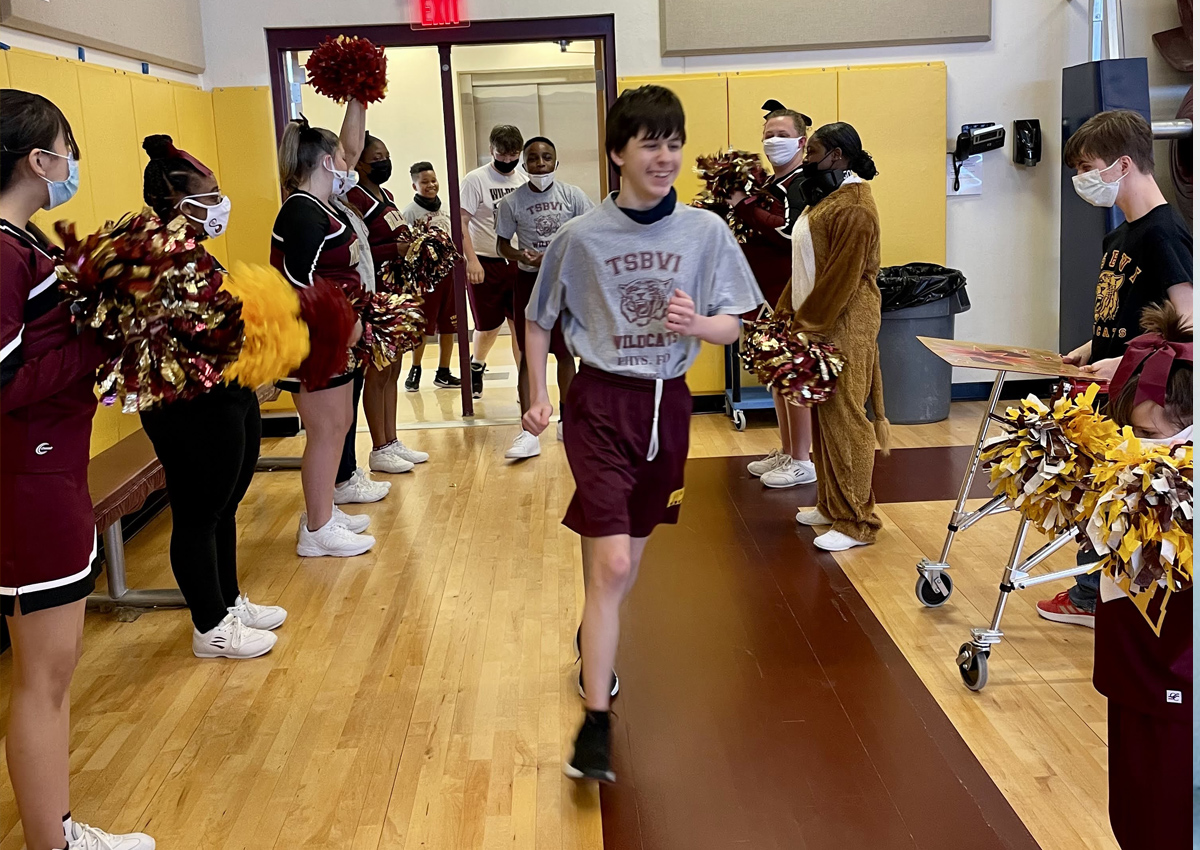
[(801, 367), (393, 323), (155, 294), (348, 68), (431, 256), (726, 173)]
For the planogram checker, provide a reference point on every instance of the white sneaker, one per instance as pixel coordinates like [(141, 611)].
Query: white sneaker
[(790, 473), (383, 460), (835, 541), (231, 638), (258, 616), (405, 453), (360, 490), (357, 523), (524, 446), (559, 431), (80, 836), (758, 468), (331, 540), (812, 516)]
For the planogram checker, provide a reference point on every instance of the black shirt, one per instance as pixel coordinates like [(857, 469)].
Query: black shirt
[(310, 239), (1142, 260)]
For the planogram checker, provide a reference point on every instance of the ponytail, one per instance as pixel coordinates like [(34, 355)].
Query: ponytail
[(841, 135), (300, 152)]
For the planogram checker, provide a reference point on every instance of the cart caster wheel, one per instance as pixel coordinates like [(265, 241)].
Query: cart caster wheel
[(929, 596), (739, 420), (973, 667)]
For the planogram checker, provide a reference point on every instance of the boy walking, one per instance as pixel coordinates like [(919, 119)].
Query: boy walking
[(637, 284), (534, 214)]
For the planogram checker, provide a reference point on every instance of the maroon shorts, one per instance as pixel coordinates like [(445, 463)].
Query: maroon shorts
[(610, 421), (521, 293), (47, 540), (439, 308), (492, 300), (1149, 752)]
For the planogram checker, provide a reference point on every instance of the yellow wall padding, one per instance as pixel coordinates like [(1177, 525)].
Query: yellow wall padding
[(58, 80), (245, 133), (4, 81), (900, 113), (198, 136), (153, 111), (813, 92), (113, 167)]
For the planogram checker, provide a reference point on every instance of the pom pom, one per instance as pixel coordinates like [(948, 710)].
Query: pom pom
[(801, 367), (154, 293), (723, 174), (330, 320), (276, 337), (1043, 460), (348, 68), (1142, 522), (431, 256), (393, 322)]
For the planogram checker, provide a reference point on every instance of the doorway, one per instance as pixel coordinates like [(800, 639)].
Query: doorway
[(552, 77)]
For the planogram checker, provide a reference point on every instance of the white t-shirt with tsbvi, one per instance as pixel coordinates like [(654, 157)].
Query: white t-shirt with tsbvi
[(481, 192)]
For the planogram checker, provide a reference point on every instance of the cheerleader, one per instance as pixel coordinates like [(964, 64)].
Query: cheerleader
[(833, 293), (312, 239), (769, 253), (48, 562), (208, 445), (386, 233)]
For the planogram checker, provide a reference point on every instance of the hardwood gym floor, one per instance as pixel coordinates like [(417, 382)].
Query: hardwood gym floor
[(423, 695)]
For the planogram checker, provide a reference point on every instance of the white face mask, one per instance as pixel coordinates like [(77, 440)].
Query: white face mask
[(214, 217), (1091, 187), (343, 181), (1182, 437), (541, 182), (781, 150)]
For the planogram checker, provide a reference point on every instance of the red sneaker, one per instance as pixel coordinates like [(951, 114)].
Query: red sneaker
[(1061, 609)]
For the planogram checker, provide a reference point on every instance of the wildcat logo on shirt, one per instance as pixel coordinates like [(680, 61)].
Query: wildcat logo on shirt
[(546, 225), (644, 301), (1108, 295)]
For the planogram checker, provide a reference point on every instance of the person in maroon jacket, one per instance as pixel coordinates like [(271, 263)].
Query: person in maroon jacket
[(769, 253), (48, 562), (1147, 678), (389, 237)]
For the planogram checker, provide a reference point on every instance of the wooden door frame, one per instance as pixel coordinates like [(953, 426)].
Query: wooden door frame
[(599, 28)]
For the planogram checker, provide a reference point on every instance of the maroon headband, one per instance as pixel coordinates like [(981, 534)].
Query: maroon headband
[(188, 158), (1155, 356)]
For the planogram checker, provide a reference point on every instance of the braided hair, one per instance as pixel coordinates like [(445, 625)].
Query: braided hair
[(169, 174)]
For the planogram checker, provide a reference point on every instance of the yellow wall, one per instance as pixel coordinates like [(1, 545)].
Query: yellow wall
[(900, 112), (111, 111)]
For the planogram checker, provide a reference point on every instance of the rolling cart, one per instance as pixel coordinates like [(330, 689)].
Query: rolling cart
[(739, 399)]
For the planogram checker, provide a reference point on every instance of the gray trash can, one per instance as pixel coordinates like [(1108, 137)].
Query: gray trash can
[(916, 382)]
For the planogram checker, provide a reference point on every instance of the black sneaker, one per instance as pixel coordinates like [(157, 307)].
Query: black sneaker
[(616, 683), (442, 379), (477, 370), (590, 759), (413, 384)]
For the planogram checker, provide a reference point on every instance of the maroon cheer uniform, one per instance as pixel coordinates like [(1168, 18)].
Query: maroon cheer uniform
[(385, 228), (769, 252), (310, 240), (1148, 682), (47, 401)]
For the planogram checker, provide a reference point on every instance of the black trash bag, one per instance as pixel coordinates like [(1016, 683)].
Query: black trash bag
[(916, 284)]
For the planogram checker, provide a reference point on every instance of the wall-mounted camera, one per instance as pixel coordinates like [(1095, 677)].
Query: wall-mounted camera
[(975, 139), (1027, 141)]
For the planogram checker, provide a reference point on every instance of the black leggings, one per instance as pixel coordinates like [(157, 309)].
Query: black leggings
[(208, 447), (349, 463)]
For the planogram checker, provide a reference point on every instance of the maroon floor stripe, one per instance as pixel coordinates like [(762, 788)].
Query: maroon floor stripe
[(763, 706)]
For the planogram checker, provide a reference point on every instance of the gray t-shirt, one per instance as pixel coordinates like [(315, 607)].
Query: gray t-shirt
[(536, 216), (609, 279), (414, 212)]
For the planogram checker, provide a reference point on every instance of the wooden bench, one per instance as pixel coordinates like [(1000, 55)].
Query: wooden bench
[(120, 479)]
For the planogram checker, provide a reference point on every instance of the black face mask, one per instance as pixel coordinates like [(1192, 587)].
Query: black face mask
[(815, 183), (380, 172), (504, 167)]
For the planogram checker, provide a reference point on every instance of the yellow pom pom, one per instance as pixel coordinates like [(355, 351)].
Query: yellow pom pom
[(276, 337)]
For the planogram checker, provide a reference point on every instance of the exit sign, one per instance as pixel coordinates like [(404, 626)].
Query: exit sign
[(428, 14)]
